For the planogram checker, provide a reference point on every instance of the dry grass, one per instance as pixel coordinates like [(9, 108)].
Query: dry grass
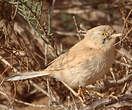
[(30, 45)]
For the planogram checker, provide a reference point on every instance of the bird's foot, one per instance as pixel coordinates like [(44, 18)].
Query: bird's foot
[(77, 94)]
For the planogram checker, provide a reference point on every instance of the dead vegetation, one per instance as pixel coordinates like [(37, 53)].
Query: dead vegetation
[(34, 33)]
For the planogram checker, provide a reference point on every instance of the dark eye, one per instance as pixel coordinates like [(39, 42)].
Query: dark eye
[(103, 34)]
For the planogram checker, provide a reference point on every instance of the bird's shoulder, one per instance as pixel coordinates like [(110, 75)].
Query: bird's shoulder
[(74, 57)]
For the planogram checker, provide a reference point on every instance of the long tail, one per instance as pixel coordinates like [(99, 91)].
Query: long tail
[(27, 75)]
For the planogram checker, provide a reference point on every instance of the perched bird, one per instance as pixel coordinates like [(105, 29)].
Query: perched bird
[(86, 62)]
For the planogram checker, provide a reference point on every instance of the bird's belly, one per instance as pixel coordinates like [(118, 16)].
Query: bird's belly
[(85, 73), (90, 73), (97, 69)]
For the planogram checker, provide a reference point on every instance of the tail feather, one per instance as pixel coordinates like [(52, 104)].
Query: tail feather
[(27, 75)]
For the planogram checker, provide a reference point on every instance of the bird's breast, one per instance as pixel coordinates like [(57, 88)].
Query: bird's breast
[(86, 71), (96, 68)]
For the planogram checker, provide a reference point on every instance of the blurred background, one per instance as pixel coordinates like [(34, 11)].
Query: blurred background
[(35, 32)]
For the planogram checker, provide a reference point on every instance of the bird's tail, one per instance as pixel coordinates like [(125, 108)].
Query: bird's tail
[(27, 75)]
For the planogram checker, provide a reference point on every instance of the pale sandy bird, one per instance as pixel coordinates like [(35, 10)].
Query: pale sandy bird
[(86, 62)]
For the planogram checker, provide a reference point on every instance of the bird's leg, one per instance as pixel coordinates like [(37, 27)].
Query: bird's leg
[(113, 96), (106, 96), (77, 94), (97, 93), (103, 95)]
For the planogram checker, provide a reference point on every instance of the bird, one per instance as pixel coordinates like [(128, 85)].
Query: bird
[(84, 63)]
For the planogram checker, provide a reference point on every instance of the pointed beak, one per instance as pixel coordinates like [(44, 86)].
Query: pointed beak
[(116, 35), (112, 36)]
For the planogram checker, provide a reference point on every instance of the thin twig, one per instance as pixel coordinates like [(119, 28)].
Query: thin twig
[(76, 27), (8, 64), (16, 71), (124, 64), (124, 52), (119, 82), (39, 88), (123, 100)]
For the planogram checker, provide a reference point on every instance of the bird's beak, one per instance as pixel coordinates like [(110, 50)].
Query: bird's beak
[(116, 35)]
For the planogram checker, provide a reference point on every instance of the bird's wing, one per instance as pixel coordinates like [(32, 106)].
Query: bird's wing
[(72, 58), (68, 60)]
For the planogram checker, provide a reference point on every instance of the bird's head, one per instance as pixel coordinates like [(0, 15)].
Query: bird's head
[(103, 37)]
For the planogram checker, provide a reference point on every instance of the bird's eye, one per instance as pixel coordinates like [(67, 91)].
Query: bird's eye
[(103, 34)]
